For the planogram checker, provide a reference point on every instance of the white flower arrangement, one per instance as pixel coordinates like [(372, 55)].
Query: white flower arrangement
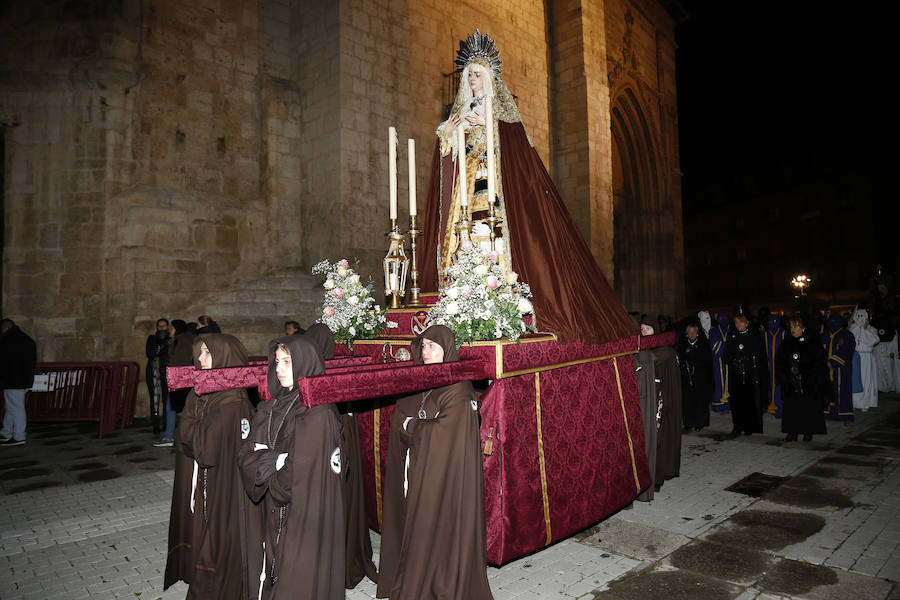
[(348, 309), (480, 303)]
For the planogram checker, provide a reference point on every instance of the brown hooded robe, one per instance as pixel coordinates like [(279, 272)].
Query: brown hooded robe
[(433, 542), (300, 551), (204, 543), (359, 544), (668, 437)]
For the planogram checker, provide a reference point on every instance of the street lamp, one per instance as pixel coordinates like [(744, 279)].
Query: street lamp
[(801, 282)]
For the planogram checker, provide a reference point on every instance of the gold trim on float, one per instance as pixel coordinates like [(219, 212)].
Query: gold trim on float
[(377, 428), (540, 438), (637, 481)]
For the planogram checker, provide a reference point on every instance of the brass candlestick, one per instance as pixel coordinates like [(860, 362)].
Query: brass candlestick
[(414, 300), (463, 229), (396, 266), (492, 221)]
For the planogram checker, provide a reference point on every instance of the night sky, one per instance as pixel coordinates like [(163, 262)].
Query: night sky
[(790, 100), (779, 89)]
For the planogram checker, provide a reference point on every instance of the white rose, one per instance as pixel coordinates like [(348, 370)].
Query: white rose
[(512, 277), (341, 271), (481, 270), (452, 293), (525, 306), (352, 300), (452, 308), (352, 330), (329, 284), (354, 278)]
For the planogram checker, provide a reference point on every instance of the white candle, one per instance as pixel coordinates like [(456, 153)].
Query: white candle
[(461, 159), (489, 119), (392, 167), (412, 177)]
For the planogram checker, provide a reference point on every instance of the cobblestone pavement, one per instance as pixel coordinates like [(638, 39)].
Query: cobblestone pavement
[(87, 518)]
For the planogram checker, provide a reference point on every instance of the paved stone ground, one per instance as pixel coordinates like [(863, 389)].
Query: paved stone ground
[(87, 518)]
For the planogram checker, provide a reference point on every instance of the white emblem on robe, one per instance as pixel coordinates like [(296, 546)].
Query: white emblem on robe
[(336, 460)]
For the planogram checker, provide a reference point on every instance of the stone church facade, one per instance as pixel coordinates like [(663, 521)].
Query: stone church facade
[(180, 157)]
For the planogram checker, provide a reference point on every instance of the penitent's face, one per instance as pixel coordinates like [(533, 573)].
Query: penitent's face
[(691, 332), (476, 81), (797, 329), (432, 352), (205, 358), (284, 370)]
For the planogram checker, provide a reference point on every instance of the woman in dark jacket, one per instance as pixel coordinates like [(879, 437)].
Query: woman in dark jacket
[(801, 371), (747, 376), (695, 360)]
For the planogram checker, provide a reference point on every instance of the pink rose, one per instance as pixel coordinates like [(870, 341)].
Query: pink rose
[(343, 263), (492, 282), (467, 291), (494, 256), (467, 246), (338, 292), (328, 311)]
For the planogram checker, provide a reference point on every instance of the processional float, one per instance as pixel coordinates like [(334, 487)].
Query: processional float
[(561, 427)]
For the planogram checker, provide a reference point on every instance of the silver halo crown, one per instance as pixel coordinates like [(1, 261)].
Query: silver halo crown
[(478, 45)]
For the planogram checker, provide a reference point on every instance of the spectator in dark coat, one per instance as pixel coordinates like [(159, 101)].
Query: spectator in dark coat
[(18, 358), (157, 349)]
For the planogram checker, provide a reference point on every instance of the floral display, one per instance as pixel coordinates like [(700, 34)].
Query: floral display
[(348, 308), (481, 302)]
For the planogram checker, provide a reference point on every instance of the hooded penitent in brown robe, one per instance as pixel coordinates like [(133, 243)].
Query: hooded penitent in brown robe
[(359, 544), (668, 437), (291, 469), (645, 368), (433, 541), (204, 541)]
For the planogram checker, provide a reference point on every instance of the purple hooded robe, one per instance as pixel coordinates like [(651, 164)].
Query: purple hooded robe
[(717, 336), (839, 347), (772, 338)]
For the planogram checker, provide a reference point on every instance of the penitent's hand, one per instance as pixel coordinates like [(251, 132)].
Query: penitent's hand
[(476, 119), (452, 123)]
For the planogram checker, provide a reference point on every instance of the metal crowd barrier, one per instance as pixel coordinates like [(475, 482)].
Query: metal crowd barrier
[(105, 392)]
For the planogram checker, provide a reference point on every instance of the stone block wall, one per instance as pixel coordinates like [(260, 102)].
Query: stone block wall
[(167, 156)]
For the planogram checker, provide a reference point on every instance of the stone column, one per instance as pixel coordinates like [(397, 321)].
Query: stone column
[(580, 123)]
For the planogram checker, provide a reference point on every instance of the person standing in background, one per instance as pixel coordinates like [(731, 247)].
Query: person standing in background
[(866, 339), (717, 336), (773, 335), (157, 350), (18, 358)]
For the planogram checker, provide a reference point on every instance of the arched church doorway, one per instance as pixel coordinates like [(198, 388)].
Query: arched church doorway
[(643, 242)]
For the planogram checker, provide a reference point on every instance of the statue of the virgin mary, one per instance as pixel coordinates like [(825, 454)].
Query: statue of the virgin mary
[(536, 237)]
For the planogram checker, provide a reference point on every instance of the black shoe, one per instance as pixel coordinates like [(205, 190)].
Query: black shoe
[(748, 433), (12, 442), (698, 429), (807, 437), (791, 437)]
